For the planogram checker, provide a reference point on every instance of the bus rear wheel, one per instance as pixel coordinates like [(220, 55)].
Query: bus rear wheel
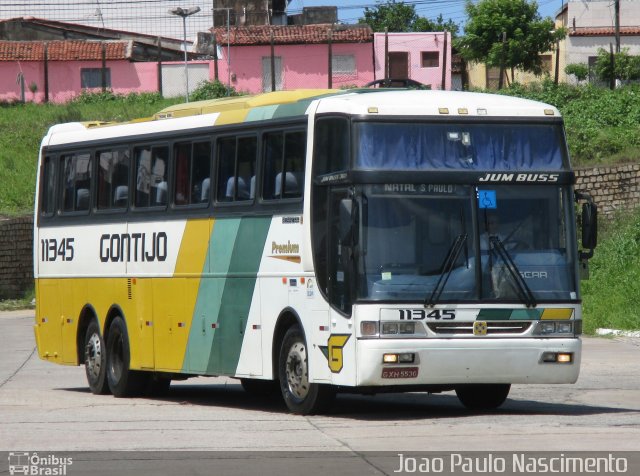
[(95, 359), (123, 382), (299, 395), (483, 396)]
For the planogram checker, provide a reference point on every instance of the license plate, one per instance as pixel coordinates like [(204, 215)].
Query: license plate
[(401, 372)]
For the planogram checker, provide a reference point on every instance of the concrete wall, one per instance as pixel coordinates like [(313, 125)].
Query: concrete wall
[(613, 188), (64, 78), (302, 66), (601, 13)]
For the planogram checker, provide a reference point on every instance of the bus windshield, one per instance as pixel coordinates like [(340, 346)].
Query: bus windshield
[(459, 146), (433, 243)]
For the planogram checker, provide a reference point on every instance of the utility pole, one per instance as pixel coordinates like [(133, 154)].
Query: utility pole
[(617, 24), (215, 40), (502, 65)]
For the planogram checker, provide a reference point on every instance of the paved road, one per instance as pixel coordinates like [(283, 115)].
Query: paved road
[(48, 407)]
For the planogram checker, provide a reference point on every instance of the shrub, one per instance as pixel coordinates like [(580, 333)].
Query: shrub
[(212, 90), (579, 70)]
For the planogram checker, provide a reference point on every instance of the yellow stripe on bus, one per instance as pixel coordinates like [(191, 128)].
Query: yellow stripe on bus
[(548, 314)]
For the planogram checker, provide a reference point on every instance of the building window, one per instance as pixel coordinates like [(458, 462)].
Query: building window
[(92, 78), (430, 59), (343, 64)]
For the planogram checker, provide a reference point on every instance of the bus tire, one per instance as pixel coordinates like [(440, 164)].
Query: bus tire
[(483, 396), (123, 382), (95, 359), (300, 396)]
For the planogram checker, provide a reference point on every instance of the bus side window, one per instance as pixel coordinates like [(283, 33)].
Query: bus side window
[(151, 178), (236, 168), (192, 162), (48, 187), (113, 179), (76, 177), (331, 145), (284, 165)]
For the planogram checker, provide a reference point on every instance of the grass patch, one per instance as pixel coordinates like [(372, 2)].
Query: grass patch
[(26, 302), (23, 126), (610, 295)]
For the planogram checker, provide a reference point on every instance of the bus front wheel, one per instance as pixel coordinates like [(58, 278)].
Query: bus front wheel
[(300, 396), (123, 382), (483, 396), (95, 359)]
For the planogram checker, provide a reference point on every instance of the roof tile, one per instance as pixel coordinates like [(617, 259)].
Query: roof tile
[(67, 50), (293, 34), (604, 31)]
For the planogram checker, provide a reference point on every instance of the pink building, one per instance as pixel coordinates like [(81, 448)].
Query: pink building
[(417, 56), (60, 70), (301, 56)]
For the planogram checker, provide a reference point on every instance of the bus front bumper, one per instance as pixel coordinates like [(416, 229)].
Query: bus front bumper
[(461, 361)]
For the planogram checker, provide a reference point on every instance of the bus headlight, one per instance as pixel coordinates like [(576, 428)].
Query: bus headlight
[(558, 328)]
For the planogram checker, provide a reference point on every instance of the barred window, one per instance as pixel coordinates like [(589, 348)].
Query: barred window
[(343, 64), (92, 78)]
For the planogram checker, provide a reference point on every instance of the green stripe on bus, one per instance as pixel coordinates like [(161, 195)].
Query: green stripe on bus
[(494, 314), (237, 294), (207, 308), (509, 314)]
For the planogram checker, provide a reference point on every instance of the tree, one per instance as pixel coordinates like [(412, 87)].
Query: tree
[(625, 67), (399, 17), (507, 33)]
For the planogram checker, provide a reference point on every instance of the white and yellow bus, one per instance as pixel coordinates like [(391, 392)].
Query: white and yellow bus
[(315, 241)]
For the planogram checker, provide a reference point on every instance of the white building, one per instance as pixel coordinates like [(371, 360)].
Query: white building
[(591, 25)]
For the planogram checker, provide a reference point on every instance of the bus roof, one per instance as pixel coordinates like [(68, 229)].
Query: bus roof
[(282, 104), (434, 103)]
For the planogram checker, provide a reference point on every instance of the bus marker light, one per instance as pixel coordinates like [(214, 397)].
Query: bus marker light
[(214, 326), (256, 327), (463, 110), (390, 358), (284, 280), (324, 328), (482, 112), (372, 110), (369, 328), (302, 280), (549, 112), (443, 110)]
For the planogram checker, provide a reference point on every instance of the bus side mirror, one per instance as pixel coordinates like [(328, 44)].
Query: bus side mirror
[(589, 226)]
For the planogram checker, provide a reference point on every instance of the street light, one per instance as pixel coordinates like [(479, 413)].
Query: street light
[(184, 13)]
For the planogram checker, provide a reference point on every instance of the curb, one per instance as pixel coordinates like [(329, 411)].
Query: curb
[(617, 332)]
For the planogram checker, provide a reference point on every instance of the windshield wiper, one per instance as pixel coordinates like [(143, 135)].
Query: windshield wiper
[(447, 268), (523, 289)]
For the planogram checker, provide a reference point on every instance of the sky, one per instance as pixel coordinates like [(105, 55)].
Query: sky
[(349, 11), (152, 16)]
